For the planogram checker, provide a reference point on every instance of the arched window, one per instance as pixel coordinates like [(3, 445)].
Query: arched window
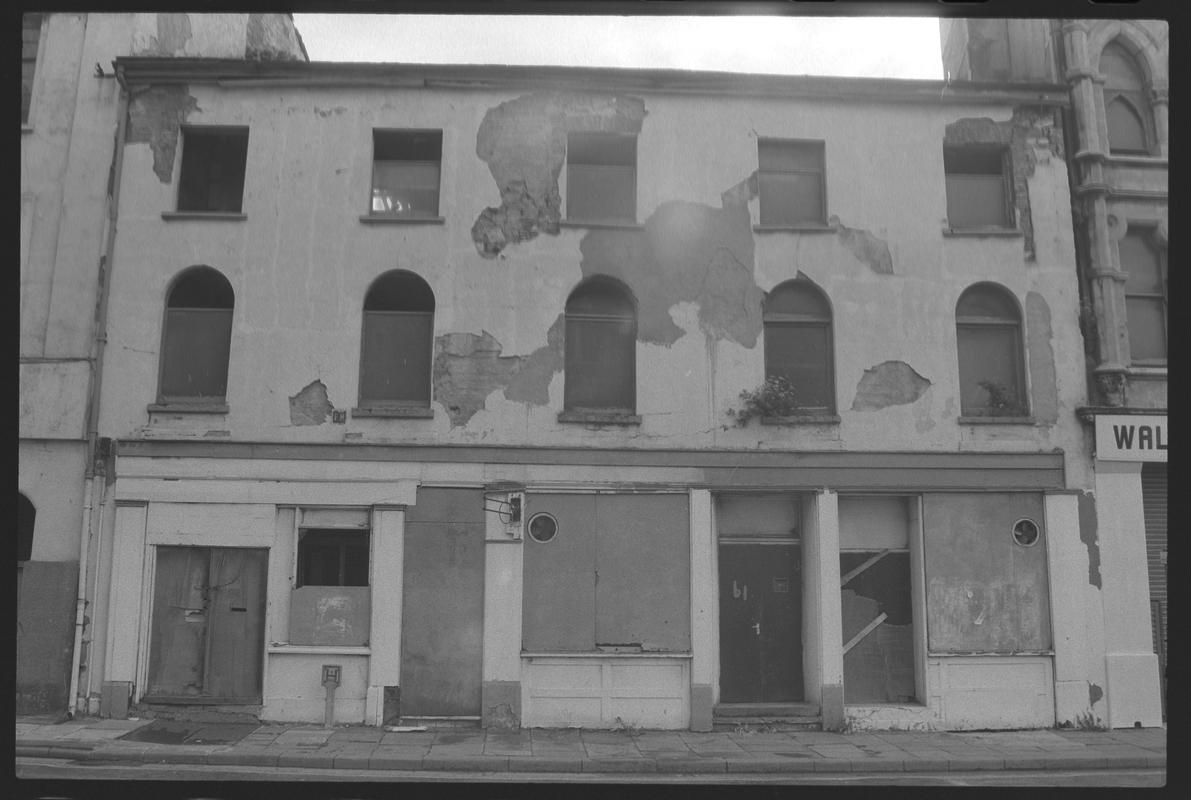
[(988, 333), (26, 516), (398, 342), (798, 346), (601, 347), (197, 337), (1125, 105)]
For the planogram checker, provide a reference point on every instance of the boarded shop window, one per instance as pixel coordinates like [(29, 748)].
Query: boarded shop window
[(798, 345), (331, 601), (406, 168), (984, 593), (197, 337), (602, 177), (30, 37), (615, 577), (213, 164), (1144, 264), (978, 193), (397, 341), (878, 625), (988, 337), (601, 347), (1125, 107), (790, 182)]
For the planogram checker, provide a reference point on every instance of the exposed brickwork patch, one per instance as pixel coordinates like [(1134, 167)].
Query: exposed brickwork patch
[(156, 116), (891, 383), (524, 143), (1088, 535), (311, 406), (1043, 383)]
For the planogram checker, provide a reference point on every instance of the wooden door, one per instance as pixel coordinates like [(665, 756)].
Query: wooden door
[(760, 623), (207, 637)]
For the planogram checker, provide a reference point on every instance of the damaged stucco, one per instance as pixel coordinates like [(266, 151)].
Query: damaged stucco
[(156, 116), (524, 143), (1043, 386), (311, 406), (273, 37), (868, 249), (468, 367), (1088, 535), (890, 383), (1030, 134)]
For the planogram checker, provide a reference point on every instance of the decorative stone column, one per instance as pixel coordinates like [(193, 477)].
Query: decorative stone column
[(1160, 102)]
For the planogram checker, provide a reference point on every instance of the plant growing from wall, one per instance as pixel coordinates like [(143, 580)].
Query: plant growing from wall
[(776, 397), (1002, 401)]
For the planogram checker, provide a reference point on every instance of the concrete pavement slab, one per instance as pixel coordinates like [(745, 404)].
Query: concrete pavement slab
[(872, 764), (619, 765), (540, 764), (465, 763)]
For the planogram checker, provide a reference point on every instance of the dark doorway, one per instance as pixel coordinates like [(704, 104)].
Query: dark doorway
[(207, 639), (760, 623)]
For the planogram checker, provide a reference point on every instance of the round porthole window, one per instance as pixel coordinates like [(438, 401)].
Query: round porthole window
[(542, 527), (1025, 532)]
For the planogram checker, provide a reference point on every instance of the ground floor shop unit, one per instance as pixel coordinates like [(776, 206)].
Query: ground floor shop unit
[(555, 587)]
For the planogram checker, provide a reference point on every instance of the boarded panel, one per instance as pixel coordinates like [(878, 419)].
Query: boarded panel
[(330, 615), (558, 609), (177, 653), (45, 635), (879, 668), (643, 568), (443, 604), (873, 523), (985, 593), (758, 515), (237, 622)]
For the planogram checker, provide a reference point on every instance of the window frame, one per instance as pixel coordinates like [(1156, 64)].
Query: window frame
[(201, 401), (396, 407), (974, 324), (802, 321), (820, 146), (208, 132), (397, 133), (570, 406), (1008, 206), (616, 219), (1147, 236), (1131, 90)]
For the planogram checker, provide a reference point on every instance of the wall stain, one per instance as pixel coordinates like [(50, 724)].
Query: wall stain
[(524, 143), (1095, 694), (173, 34), (310, 406), (867, 248), (1088, 535), (156, 116), (890, 383), (469, 367), (1043, 383), (1029, 131)]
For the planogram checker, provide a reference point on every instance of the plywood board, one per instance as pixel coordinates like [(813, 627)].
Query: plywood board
[(558, 606)]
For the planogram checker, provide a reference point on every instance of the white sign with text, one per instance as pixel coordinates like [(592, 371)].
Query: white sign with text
[(1121, 437)]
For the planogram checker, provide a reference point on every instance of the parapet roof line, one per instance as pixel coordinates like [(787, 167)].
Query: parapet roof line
[(238, 73)]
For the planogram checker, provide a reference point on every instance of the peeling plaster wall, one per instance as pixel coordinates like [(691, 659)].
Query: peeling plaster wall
[(255, 36), (156, 117), (301, 262)]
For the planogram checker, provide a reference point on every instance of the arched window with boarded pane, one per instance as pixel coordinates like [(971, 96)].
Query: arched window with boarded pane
[(197, 338), (988, 334), (1126, 108), (398, 342), (798, 344), (601, 347)]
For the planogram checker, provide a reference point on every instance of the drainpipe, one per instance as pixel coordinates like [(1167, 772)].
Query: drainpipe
[(94, 383)]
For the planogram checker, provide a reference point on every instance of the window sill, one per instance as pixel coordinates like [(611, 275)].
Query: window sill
[(990, 420), (600, 417), (1011, 233), (808, 227), (212, 407), (1146, 371), (802, 419), (319, 649), (401, 219), (225, 215), (1138, 160), (405, 412), (601, 223)]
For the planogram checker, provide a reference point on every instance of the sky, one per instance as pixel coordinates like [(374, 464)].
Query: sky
[(901, 47)]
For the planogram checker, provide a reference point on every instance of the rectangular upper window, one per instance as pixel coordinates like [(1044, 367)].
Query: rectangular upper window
[(790, 182), (332, 558), (213, 164), (602, 177), (406, 168), (979, 192), (30, 36)]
